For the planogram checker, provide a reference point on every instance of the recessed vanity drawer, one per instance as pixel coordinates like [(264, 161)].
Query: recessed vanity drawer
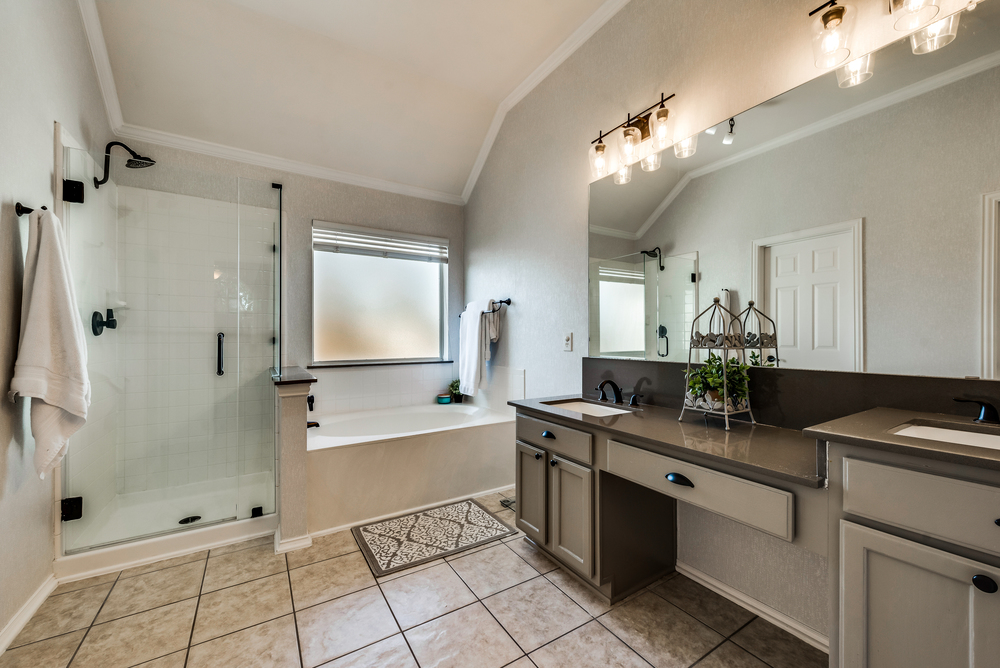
[(556, 438), (933, 505), (765, 508)]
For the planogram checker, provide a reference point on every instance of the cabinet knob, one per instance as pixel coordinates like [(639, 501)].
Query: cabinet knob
[(997, 522), (679, 479), (553, 462), (538, 455), (548, 434), (985, 583)]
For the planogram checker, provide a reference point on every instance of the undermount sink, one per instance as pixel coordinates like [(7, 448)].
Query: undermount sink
[(586, 408), (956, 435)]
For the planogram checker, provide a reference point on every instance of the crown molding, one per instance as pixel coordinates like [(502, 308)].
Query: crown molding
[(557, 58), (99, 52), (612, 232), (927, 85)]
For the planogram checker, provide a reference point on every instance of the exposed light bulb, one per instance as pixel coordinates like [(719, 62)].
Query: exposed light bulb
[(831, 34), (855, 72), (935, 36), (658, 121), (598, 160), (651, 162), (685, 148), (911, 14), (628, 145), (623, 175)]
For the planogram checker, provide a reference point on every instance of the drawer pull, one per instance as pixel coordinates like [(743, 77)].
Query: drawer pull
[(552, 462), (679, 479), (538, 455), (985, 583), (548, 434)]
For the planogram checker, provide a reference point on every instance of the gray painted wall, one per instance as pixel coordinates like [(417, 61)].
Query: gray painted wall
[(916, 173), (48, 77)]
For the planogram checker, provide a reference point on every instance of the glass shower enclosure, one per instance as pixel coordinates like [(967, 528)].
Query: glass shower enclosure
[(183, 269)]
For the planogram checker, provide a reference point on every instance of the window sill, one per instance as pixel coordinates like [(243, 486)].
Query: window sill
[(341, 365)]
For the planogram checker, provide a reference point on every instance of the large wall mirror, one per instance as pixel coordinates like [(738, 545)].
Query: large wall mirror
[(862, 219)]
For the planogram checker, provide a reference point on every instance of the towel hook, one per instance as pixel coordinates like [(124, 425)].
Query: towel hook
[(20, 209)]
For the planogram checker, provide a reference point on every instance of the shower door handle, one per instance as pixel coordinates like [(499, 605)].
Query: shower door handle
[(219, 370)]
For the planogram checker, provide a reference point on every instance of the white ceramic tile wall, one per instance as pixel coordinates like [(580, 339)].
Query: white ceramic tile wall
[(343, 390)]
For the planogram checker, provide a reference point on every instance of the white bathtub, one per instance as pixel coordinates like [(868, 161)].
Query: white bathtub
[(369, 465), (392, 423)]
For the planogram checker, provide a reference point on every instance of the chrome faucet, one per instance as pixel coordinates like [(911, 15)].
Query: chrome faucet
[(614, 388)]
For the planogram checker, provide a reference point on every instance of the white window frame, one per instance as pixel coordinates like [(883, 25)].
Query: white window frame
[(390, 253)]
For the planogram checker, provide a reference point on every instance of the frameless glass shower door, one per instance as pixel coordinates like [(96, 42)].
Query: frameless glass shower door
[(180, 432)]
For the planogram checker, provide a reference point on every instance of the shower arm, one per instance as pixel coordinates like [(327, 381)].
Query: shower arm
[(107, 161)]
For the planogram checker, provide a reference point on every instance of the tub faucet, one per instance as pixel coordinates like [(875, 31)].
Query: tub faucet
[(614, 388)]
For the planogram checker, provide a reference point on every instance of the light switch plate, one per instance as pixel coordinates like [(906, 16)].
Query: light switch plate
[(568, 343)]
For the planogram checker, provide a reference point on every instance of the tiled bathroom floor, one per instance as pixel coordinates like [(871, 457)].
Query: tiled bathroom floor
[(504, 604)]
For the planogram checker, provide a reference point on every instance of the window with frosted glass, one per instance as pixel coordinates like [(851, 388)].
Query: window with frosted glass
[(377, 297)]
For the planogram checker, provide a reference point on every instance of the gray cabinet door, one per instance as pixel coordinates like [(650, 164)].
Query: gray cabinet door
[(572, 514), (531, 509), (905, 604)]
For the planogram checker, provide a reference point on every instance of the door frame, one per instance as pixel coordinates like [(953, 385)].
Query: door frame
[(758, 268), (991, 285)]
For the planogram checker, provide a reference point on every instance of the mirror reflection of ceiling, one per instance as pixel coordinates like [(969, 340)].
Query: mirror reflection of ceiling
[(628, 210)]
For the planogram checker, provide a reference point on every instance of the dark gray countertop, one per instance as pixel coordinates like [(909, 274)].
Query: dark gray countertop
[(874, 429), (784, 454)]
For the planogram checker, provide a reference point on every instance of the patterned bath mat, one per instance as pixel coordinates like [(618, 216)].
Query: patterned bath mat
[(401, 542)]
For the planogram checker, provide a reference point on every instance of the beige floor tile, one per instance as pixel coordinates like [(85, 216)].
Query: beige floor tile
[(427, 594), (661, 633), (777, 647), (408, 571), (138, 638), (492, 502), (509, 492), (175, 660), (52, 653), (234, 608), (590, 646), (268, 645), (536, 612), (585, 596), (467, 637), (166, 563), (62, 614), (324, 547), (731, 656), (145, 592), (338, 627), (243, 545), (704, 605), (507, 517), (492, 570), (326, 580), (517, 536), (67, 587), (472, 550), (533, 555), (392, 652), (239, 567), (523, 662)]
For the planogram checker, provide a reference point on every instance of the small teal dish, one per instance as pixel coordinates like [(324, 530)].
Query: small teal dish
[(444, 398)]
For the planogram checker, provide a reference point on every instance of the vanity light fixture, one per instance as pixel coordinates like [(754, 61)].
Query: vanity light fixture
[(651, 162), (641, 138), (623, 175), (935, 36), (685, 148), (731, 135), (832, 33), (628, 145), (711, 130), (857, 71), (658, 125), (911, 14), (598, 159)]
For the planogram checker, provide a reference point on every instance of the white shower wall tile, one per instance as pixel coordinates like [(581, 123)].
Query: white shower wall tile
[(349, 389)]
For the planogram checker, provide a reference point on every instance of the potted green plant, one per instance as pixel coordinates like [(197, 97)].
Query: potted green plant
[(705, 385), (456, 393)]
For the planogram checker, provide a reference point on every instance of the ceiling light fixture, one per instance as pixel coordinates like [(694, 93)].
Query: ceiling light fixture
[(731, 135), (598, 160), (911, 14), (641, 138), (935, 36), (832, 33), (855, 72), (685, 148)]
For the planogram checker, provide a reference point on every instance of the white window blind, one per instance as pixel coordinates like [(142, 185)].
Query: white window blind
[(357, 241)]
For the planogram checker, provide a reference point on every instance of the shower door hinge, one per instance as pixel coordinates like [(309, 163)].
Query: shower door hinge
[(694, 277), (72, 508), (72, 191)]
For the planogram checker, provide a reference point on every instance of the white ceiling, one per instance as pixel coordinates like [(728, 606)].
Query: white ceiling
[(402, 95)]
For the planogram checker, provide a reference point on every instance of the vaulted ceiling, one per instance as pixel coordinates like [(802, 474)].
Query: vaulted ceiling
[(401, 95)]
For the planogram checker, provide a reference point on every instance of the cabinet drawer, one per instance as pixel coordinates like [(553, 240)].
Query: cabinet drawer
[(933, 505), (556, 438), (765, 508)]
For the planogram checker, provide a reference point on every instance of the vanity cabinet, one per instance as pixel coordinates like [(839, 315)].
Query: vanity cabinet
[(572, 514), (531, 480)]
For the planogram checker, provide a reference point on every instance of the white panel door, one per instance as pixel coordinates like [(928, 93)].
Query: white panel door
[(809, 287)]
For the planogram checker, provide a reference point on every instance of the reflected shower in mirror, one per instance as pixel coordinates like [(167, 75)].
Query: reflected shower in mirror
[(852, 210)]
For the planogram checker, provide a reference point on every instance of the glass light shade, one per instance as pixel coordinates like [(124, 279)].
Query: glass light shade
[(658, 129), (623, 175), (651, 162), (935, 36), (728, 139), (857, 71), (711, 130), (685, 148), (831, 36), (911, 14), (598, 160), (628, 145)]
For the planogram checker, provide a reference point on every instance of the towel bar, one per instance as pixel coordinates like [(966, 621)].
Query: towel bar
[(496, 306), (20, 209)]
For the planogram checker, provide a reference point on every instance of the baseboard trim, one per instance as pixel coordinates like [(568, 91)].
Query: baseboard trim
[(779, 619), (345, 527), (282, 546), (30, 607)]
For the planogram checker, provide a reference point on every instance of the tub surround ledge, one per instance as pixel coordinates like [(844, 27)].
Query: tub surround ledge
[(292, 387)]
